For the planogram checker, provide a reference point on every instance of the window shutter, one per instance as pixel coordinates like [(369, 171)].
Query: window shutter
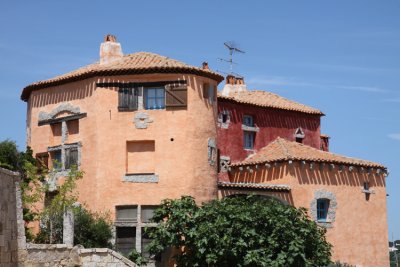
[(205, 90), (73, 156), (67, 159), (176, 96), (42, 161), (128, 99)]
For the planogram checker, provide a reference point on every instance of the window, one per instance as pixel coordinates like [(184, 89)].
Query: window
[(71, 157), (128, 99), (130, 230), (65, 156), (127, 213), (322, 209), (154, 98), (56, 159), (125, 239), (248, 140), (248, 121), (147, 213)]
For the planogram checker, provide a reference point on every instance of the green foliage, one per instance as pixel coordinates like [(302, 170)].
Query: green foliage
[(31, 187), (92, 230), (238, 231), (10, 157), (137, 258)]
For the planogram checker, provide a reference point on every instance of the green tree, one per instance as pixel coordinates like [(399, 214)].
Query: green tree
[(31, 187), (238, 231)]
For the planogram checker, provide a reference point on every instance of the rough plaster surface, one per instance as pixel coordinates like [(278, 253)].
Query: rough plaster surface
[(141, 178), (64, 107), (332, 207), (141, 120)]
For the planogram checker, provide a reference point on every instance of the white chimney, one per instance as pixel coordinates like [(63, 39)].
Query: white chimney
[(110, 50), (233, 85)]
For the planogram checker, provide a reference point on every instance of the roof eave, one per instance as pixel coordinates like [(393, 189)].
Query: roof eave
[(90, 74), (317, 113)]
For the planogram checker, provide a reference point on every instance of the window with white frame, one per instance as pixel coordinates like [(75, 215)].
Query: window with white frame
[(248, 132)]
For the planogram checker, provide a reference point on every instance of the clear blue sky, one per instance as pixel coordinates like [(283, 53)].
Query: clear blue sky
[(342, 57)]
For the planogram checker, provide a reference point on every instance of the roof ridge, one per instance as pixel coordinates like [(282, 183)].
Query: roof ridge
[(284, 148)]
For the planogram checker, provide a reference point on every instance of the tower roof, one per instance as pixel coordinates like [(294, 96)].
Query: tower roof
[(136, 63)]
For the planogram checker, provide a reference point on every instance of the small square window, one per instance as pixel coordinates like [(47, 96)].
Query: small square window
[(248, 120), (155, 98), (248, 140), (322, 209)]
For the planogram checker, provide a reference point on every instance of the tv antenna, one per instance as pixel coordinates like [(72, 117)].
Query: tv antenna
[(232, 47)]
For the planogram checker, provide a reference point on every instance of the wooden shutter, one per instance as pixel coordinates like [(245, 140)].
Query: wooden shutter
[(205, 90), (175, 96), (128, 99), (42, 161), (71, 157)]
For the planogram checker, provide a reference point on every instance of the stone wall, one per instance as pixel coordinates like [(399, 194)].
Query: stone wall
[(12, 232), (60, 255)]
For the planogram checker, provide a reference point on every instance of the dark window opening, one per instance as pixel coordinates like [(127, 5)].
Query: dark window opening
[(248, 140), (125, 239), (248, 120), (42, 162), (224, 117), (299, 140), (322, 209)]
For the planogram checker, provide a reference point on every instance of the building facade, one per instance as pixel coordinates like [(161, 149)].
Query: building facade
[(144, 127), (272, 146), (132, 124)]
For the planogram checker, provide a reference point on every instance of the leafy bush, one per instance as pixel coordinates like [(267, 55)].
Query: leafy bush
[(238, 231), (92, 230), (137, 258)]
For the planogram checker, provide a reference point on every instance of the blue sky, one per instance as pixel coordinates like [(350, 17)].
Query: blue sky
[(339, 56)]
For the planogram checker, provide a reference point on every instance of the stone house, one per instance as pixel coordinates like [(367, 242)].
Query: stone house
[(144, 127)]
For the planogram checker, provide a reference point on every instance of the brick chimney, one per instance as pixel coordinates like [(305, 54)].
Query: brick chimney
[(205, 65), (110, 50), (233, 85)]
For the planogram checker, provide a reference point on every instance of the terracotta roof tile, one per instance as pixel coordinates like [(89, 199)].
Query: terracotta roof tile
[(284, 150), (275, 187), (137, 63), (270, 100)]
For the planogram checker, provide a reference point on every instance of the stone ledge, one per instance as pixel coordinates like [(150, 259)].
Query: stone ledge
[(140, 178)]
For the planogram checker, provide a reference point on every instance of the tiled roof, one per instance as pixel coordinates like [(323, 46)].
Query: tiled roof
[(270, 100), (284, 150), (137, 63), (275, 187)]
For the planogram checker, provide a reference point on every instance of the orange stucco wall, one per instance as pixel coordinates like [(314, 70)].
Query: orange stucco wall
[(359, 233), (180, 138)]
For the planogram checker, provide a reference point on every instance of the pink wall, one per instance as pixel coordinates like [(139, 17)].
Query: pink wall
[(273, 123)]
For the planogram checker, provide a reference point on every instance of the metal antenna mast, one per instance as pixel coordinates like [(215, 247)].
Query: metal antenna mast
[(232, 47)]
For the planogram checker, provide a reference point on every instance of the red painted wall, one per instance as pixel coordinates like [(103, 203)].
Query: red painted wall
[(273, 123)]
